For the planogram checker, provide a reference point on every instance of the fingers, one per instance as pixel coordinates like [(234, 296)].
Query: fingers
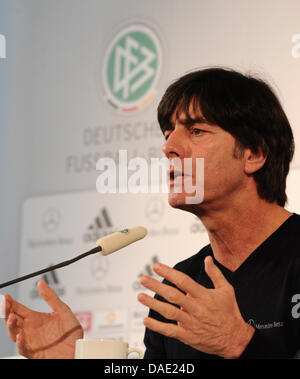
[(180, 279), (168, 311), (214, 273), (167, 329), (14, 325), (14, 316), (15, 332), (171, 294), (51, 297)]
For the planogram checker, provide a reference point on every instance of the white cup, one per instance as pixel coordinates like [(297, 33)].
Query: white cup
[(97, 348)]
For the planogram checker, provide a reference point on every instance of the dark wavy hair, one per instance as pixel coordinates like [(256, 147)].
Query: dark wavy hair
[(248, 109)]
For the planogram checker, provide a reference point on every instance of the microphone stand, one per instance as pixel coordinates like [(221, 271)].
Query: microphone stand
[(51, 268)]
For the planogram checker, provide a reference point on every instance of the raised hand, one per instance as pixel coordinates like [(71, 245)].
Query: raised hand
[(43, 335), (208, 320)]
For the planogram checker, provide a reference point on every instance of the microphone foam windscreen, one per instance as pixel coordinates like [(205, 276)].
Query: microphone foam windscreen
[(118, 240)]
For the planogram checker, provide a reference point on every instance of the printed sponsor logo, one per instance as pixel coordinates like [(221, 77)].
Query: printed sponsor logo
[(100, 227), (132, 66), (51, 220), (147, 271), (155, 210), (267, 325), (99, 267), (85, 319), (111, 320), (53, 236)]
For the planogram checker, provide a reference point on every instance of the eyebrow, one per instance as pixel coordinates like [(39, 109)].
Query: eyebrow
[(188, 122), (192, 121)]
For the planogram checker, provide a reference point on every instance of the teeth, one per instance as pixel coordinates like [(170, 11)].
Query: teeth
[(176, 174)]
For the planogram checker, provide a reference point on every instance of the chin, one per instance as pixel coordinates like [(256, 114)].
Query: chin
[(176, 199), (183, 201)]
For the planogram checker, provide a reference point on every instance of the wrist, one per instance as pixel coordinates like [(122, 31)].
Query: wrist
[(240, 341)]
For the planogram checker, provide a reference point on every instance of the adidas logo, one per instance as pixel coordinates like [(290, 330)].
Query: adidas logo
[(51, 278), (100, 227), (147, 271)]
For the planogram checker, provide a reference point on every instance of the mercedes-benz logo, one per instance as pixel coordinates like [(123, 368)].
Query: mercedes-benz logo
[(155, 209), (99, 267), (51, 220)]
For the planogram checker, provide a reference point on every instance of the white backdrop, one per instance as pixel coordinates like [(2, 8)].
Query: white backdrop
[(102, 290), (59, 114)]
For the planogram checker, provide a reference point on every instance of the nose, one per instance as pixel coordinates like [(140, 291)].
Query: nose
[(175, 144)]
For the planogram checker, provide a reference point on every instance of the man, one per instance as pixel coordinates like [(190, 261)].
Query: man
[(233, 299)]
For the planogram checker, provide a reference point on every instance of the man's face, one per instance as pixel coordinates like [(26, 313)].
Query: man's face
[(224, 175)]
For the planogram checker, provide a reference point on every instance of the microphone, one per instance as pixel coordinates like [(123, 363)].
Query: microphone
[(115, 241), (106, 245)]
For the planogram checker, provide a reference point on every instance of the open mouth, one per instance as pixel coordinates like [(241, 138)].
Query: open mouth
[(175, 174)]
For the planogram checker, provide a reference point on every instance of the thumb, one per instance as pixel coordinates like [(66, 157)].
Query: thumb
[(214, 273), (51, 297)]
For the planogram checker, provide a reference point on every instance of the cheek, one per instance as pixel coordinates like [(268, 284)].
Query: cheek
[(225, 170)]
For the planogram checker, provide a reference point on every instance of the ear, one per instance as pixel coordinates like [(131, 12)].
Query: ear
[(253, 161)]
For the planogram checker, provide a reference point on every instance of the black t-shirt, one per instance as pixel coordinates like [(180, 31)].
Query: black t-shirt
[(266, 286)]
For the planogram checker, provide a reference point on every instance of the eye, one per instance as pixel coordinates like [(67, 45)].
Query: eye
[(196, 131)]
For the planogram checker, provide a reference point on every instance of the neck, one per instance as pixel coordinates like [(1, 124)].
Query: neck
[(235, 232)]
